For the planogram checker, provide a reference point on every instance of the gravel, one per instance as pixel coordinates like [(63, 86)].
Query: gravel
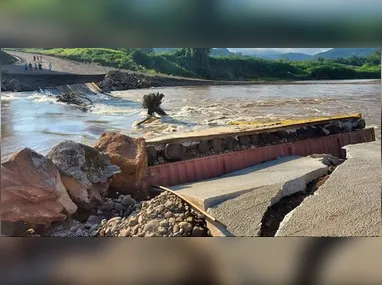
[(165, 215)]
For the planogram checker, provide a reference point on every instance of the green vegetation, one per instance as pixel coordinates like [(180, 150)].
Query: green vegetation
[(198, 63), (6, 58)]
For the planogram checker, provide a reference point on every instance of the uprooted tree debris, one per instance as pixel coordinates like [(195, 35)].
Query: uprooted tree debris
[(152, 103), (75, 98)]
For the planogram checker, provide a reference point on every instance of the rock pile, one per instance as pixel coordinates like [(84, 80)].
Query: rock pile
[(79, 191), (122, 206), (164, 216), (117, 80)]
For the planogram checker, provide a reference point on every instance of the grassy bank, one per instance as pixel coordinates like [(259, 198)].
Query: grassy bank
[(198, 64)]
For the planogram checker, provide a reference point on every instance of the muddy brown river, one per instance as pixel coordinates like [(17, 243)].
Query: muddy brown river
[(31, 119)]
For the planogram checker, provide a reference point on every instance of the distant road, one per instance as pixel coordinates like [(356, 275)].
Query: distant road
[(59, 66)]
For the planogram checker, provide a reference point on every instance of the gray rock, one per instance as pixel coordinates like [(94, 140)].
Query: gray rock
[(186, 226), (128, 210), (118, 207), (171, 220), (94, 220), (179, 219), (159, 209), (128, 201), (169, 204), (163, 223), (107, 206), (162, 230), (87, 164), (176, 228), (151, 226), (168, 215), (93, 228), (197, 231)]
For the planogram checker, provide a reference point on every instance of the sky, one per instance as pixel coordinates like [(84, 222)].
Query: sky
[(282, 50)]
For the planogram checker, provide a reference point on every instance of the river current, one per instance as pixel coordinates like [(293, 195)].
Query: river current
[(31, 119)]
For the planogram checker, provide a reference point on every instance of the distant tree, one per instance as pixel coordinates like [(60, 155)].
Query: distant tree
[(199, 56), (375, 58), (320, 59), (130, 50)]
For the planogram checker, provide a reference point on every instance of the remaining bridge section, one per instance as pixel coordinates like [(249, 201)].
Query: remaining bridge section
[(348, 204)]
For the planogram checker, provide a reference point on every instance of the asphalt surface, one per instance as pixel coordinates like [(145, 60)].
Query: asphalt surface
[(348, 204), (240, 199)]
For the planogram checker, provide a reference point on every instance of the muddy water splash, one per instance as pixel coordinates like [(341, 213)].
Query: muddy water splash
[(35, 120)]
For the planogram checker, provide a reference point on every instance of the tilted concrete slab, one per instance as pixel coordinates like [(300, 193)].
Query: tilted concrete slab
[(291, 169), (348, 204), (241, 198), (242, 215)]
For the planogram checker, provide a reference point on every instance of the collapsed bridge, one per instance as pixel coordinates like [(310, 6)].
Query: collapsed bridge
[(181, 158)]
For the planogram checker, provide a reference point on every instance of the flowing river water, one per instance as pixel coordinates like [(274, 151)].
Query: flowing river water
[(37, 121)]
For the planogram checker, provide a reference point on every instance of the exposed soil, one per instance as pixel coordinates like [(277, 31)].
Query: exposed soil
[(276, 213)]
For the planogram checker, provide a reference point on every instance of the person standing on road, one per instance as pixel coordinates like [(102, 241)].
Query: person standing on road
[(26, 66), (40, 66), (34, 58), (30, 66), (50, 67), (35, 65)]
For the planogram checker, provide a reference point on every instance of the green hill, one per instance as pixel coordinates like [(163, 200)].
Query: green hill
[(346, 53), (198, 63)]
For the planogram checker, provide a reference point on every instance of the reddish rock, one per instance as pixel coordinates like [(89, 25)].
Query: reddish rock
[(84, 170), (32, 190), (129, 154)]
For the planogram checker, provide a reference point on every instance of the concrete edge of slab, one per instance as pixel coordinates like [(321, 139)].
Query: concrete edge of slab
[(290, 214), (285, 189)]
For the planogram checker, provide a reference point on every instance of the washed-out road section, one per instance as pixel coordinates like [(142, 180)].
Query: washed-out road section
[(240, 199)]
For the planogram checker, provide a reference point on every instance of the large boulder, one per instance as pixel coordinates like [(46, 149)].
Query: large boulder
[(32, 190), (84, 171), (129, 154)]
